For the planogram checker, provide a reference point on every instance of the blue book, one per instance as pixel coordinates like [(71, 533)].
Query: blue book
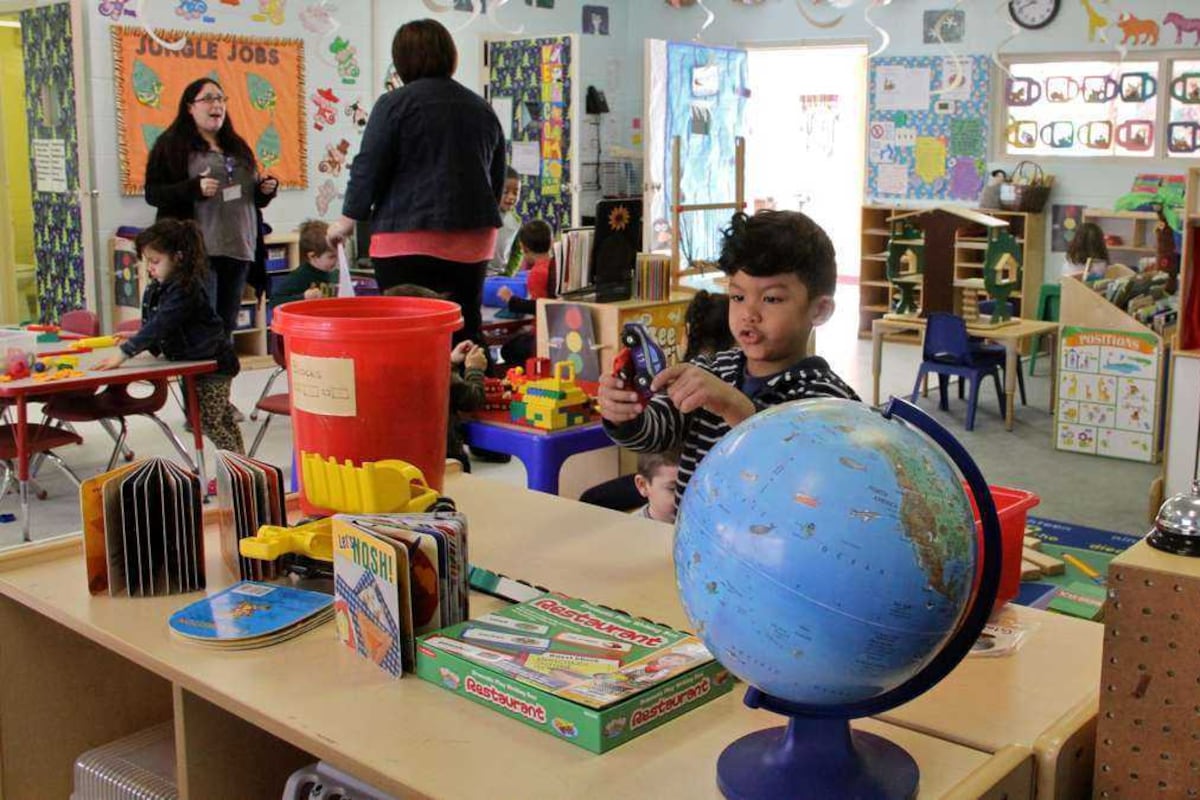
[(251, 611)]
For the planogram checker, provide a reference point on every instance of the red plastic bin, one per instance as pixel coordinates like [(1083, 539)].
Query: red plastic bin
[(1012, 506)]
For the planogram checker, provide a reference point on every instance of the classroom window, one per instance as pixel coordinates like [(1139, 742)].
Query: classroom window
[(1083, 109), (1183, 126)]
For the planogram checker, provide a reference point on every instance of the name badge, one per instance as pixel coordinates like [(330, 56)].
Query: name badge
[(230, 193)]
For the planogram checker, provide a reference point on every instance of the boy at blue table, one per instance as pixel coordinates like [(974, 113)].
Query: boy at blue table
[(782, 276), (316, 277), (179, 324)]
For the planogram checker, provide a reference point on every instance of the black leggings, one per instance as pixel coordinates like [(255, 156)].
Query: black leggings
[(463, 283), (226, 283)]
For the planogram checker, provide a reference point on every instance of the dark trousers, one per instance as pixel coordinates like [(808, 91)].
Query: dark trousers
[(462, 283), (226, 282)]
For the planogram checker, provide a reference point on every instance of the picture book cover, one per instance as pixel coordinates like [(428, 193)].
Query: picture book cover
[(574, 649), (249, 610), (371, 596)]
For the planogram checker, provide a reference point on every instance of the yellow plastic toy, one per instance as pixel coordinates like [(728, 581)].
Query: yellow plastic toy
[(377, 487), (95, 342), (553, 403), (312, 539)]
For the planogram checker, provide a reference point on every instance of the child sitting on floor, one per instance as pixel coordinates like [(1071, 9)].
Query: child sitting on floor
[(782, 277), (468, 366), (179, 323), (316, 277), (655, 482)]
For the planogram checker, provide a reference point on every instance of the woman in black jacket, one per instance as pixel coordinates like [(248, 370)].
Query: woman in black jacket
[(200, 169), (429, 176)]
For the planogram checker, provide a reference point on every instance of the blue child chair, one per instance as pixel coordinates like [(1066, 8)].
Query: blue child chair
[(983, 349), (947, 351)]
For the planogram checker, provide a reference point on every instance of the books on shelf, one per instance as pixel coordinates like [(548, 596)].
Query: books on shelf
[(143, 531), (572, 259), (396, 577), (652, 277)]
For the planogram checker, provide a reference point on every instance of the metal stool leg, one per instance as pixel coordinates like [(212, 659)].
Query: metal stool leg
[(170, 434), (120, 438), (57, 461), (262, 431), (120, 445), (266, 391)]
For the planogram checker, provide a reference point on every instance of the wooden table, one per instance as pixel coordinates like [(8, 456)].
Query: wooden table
[(22, 392), (77, 671), (1010, 336)]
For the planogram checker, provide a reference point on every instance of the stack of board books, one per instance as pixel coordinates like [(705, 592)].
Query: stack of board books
[(250, 494), (250, 615), (396, 577), (584, 673), (143, 531)]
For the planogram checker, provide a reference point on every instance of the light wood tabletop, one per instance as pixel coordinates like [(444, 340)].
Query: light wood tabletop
[(413, 739)]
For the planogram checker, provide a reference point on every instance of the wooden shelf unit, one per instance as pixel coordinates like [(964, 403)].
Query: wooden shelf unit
[(1136, 229), (970, 245), (283, 256)]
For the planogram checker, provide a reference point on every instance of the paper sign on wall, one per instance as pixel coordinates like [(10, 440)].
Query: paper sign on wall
[(931, 158), (503, 106), (527, 158), (966, 137), (902, 88), (893, 179), (50, 165), (324, 386)]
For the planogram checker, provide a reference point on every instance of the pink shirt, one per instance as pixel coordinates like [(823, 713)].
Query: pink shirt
[(463, 247)]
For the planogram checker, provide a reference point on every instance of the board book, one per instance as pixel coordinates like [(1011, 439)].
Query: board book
[(142, 530), (584, 673), (249, 615), (250, 494), (396, 577)]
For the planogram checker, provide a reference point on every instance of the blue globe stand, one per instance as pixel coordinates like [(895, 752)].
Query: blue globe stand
[(813, 759), (816, 755)]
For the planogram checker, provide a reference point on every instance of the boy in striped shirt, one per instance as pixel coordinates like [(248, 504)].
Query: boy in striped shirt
[(782, 277)]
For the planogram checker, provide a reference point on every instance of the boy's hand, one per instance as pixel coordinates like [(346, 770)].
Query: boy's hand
[(112, 362), (459, 354), (617, 404), (504, 293), (690, 388), (476, 358), (313, 293)]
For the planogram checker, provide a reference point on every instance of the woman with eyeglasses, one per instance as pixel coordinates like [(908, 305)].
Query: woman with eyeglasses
[(200, 169)]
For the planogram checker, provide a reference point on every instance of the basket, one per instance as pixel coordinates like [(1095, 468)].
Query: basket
[(1025, 192)]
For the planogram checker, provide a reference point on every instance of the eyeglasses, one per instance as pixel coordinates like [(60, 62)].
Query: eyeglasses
[(209, 99)]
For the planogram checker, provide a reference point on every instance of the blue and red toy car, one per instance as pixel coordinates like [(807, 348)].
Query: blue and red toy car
[(640, 360)]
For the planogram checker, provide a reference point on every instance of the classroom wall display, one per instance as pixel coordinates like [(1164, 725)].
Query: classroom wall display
[(1065, 222), (928, 127), (944, 26), (699, 94), (571, 336), (264, 79), (1183, 126), (530, 81), (595, 20), (1108, 391), (50, 115)]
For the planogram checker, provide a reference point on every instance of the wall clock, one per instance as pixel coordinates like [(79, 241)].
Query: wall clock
[(1033, 14)]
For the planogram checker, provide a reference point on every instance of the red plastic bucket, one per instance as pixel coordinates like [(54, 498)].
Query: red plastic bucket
[(370, 379), (1012, 506)]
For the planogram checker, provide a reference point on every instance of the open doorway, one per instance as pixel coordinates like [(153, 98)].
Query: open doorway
[(805, 146), (18, 282)]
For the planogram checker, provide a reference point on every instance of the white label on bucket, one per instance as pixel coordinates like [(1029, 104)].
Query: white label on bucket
[(323, 386)]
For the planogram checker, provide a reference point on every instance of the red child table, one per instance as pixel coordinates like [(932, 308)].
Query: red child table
[(139, 369)]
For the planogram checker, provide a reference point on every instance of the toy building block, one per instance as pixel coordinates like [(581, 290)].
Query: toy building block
[(1049, 565), (552, 403), (1030, 571), (95, 342), (376, 487), (1033, 543)]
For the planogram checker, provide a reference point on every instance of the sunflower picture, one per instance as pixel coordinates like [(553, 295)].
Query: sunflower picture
[(618, 218)]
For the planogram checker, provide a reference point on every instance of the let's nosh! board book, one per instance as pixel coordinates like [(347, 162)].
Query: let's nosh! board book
[(396, 577), (584, 673)]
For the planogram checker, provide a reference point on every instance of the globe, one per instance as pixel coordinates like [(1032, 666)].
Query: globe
[(825, 553)]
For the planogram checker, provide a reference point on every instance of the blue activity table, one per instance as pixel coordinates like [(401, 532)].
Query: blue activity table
[(542, 452)]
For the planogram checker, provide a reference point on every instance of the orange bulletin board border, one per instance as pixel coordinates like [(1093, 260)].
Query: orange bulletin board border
[(264, 78)]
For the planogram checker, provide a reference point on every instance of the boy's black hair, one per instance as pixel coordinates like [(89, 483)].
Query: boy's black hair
[(648, 464), (182, 242), (511, 174), (535, 236), (779, 242)]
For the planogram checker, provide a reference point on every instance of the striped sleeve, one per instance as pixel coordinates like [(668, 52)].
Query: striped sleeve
[(660, 427)]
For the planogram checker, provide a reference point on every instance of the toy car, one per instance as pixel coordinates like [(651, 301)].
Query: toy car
[(640, 360)]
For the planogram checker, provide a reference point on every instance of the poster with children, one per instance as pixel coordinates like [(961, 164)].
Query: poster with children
[(1108, 386)]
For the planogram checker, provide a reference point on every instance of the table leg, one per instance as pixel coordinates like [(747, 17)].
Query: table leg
[(193, 414), (23, 464), (542, 470), (876, 361), (1011, 347)]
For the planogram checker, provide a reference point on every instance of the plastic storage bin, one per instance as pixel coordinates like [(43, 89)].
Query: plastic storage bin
[(491, 285), (1012, 506), (322, 780), (138, 767)]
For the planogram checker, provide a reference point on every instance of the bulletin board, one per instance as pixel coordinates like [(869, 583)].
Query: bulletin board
[(531, 87), (263, 78), (927, 140)]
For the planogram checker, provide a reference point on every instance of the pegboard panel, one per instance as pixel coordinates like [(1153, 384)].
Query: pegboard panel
[(1148, 736)]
